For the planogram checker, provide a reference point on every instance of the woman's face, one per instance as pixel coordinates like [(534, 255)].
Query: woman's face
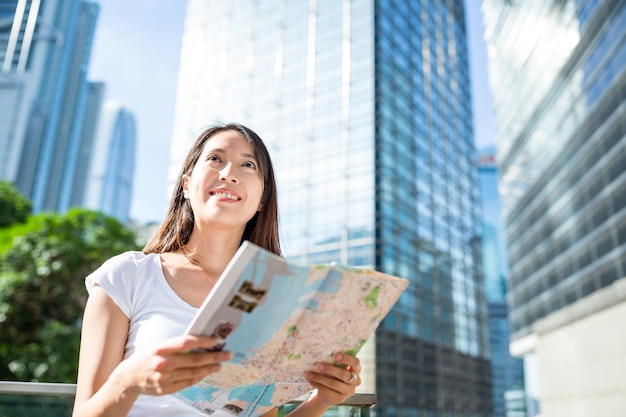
[(225, 186)]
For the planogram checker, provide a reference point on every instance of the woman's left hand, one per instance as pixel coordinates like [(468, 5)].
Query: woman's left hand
[(336, 382)]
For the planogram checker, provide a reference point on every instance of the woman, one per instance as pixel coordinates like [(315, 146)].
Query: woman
[(132, 355)]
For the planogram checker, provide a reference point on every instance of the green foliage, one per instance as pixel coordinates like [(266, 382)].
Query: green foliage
[(42, 291), (14, 207), (16, 231)]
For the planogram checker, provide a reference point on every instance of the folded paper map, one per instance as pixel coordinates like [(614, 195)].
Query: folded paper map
[(279, 319)]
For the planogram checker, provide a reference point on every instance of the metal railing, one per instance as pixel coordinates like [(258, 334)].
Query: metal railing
[(26, 399), (33, 399)]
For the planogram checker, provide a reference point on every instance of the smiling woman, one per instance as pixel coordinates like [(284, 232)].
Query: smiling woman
[(132, 355), (179, 223), (225, 185)]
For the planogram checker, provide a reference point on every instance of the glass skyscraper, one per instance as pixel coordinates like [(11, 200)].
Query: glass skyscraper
[(44, 53), (109, 183), (365, 107), (558, 73), (507, 372), (86, 158)]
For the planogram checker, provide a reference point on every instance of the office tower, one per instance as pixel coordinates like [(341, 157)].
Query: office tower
[(11, 91), (110, 184), (507, 373), (558, 73), (15, 90), (84, 161), (44, 52), (365, 107)]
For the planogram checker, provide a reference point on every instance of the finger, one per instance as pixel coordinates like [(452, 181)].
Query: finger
[(196, 373), (335, 371), (330, 386), (348, 366), (174, 382), (186, 343), (193, 359), (352, 363), (329, 396), (327, 383), (333, 377)]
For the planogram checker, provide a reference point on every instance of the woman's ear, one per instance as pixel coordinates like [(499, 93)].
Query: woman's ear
[(185, 186)]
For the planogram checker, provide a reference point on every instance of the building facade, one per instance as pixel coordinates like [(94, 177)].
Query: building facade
[(86, 153), (44, 52), (110, 181), (507, 372), (558, 74), (365, 108)]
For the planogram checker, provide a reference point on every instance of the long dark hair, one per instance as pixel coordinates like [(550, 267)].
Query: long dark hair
[(261, 230)]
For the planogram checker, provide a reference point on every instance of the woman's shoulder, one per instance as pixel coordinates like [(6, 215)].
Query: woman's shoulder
[(129, 259), (126, 267), (124, 276)]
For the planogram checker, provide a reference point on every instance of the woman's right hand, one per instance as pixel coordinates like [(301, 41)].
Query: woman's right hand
[(170, 366), (108, 385)]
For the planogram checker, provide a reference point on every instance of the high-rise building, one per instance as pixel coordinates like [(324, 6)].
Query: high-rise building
[(507, 372), (11, 96), (365, 107), (17, 85), (86, 155), (110, 182), (558, 74), (44, 53)]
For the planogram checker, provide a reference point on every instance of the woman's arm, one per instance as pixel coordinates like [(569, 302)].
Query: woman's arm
[(104, 333), (108, 385)]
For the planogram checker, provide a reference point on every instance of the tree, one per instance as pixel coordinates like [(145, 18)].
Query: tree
[(42, 290), (14, 207)]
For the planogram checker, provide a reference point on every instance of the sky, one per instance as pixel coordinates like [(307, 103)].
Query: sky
[(136, 54)]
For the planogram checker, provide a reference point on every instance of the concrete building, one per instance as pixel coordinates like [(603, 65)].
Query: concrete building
[(558, 73), (365, 107)]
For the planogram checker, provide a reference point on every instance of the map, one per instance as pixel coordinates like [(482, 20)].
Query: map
[(279, 319)]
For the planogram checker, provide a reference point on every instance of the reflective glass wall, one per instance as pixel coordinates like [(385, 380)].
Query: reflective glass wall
[(558, 71), (432, 352)]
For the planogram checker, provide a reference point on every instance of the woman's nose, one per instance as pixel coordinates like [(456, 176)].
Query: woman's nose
[(228, 173)]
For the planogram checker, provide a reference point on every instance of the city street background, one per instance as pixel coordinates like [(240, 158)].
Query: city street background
[(136, 53)]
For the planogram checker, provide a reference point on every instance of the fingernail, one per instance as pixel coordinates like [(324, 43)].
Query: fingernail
[(226, 356), (319, 367), (338, 356)]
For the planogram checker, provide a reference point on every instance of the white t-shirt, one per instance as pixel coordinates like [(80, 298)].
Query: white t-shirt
[(136, 283)]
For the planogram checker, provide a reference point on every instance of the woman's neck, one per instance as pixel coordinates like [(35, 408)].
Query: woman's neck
[(211, 253)]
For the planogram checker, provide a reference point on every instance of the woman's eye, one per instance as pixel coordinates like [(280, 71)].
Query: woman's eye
[(249, 165), (213, 158)]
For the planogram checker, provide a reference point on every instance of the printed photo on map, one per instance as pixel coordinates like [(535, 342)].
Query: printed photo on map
[(223, 329), (240, 304), (233, 409), (248, 288)]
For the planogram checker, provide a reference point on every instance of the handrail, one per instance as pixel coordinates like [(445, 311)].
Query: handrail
[(365, 400), (37, 388)]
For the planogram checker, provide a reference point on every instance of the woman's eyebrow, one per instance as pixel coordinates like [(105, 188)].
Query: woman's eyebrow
[(245, 155), (248, 155)]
